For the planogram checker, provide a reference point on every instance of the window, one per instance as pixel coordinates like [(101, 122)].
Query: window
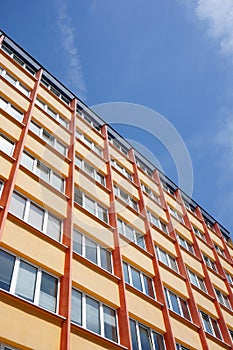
[(220, 250), (210, 325), (6, 145), (197, 280), (143, 167), (168, 188), (177, 304), (176, 215), (41, 170), (52, 113), (229, 277), (181, 347), (12, 80), (185, 244), (90, 205), (93, 315), (118, 145), (87, 118), (91, 250), (157, 222), (6, 347), (130, 233), (125, 197), (166, 258), (1, 187), (209, 262), (138, 280), (28, 282), (145, 338), (209, 224), (48, 138), (198, 233), (189, 206), (9, 108), (150, 193), (223, 298), (121, 169), (19, 60), (35, 216), (88, 142), (82, 164), (55, 91)]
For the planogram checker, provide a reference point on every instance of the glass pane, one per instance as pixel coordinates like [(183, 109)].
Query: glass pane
[(88, 169), (11, 79), (48, 292), (193, 278), (144, 337), (89, 205), (136, 280), (216, 329), (206, 322), (120, 226), (77, 242), (17, 205), (105, 257), (184, 307), (42, 171), (92, 315), (174, 303), (102, 213), (15, 113), (78, 198), (27, 161), (173, 263), (148, 286), (129, 232), (76, 307), (78, 161), (60, 148), (36, 216), (47, 137), (54, 227), (140, 240), (133, 334), (110, 329), (26, 281), (126, 272), (90, 250), (163, 257), (7, 262), (158, 341), (202, 284), (100, 178), (6, 145), (35, 128), (57, 182)]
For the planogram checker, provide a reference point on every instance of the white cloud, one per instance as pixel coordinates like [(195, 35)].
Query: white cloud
[(75, 78), (219, 16)]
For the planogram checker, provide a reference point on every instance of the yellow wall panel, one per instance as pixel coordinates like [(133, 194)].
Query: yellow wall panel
[(9, 128), (14, 96), (228, 317), (161, 240), (88, 224), (129, 216), (173, 202), (172, 282), (43, 195), (216, 280), (206, 249), (125, 184), (92, 189), (79, 343), (55, 103), (214, 345), (20, 73), (186, 334), (144, 311), (5, 167), (121, 158), (204, 303), (191, 262), (149, 182), (27, 329), (26, 244), (195, 221), (90, 156), (95, 283), (155, 208)]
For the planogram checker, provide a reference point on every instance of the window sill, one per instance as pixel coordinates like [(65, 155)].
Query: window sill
[(55, 120), (177, 274), (128, 241), (96, 338), (28, 98), (218, 341), (124, 176), (205, 294), (30, 308), (104, 188), (184, 320), (126, 205), (144, 296)]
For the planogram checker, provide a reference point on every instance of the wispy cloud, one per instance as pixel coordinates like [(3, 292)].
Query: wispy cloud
[(75, 78), (219, 17)]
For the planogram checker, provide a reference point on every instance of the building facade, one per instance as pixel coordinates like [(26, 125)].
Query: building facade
[(98, 249)]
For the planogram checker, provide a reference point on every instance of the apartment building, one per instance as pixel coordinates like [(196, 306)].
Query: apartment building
[(98, 249)]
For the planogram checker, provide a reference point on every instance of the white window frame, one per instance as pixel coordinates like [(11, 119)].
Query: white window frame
[(210, 324), (96, 205), (197, 280), (54, 140), (55, 91), (168, 189), (168, 258), (144, 168), (150, 193), (229, 277), (219, 250), (19, 60), (10, 142), (122, 224), (11, 109), (98, 250), (150, 333), (53, 114), (175, 214), (121, 169), (210, 262), (89, 143), (142, 275), (101, 313), (14, 279), (178, 298), (52, 173), (198, 233), (185, 244), (17, 83), (82, 163), (154, 220), (223, 299), (45, 216), (129, 201)]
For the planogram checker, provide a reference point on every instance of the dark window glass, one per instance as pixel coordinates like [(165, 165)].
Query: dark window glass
[(76, 307), (158, 341), (136, 280), (91, 250), (26, 281), (105, 257), (144, 337), (48, 292), (148, 286), (7, 262), (110, 329), (133, 335), (78, 196), (216, 329), (92, 315), (174, 303), (185, 310)]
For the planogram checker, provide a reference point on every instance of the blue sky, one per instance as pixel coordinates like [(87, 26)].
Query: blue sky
[(173, 56)]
